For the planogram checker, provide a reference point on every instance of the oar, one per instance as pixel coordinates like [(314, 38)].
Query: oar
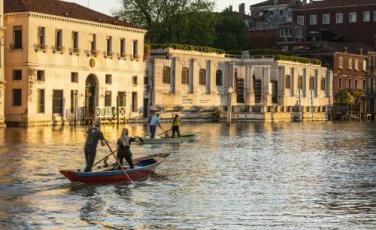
[(104, 158), (164, 131), (117, 161)]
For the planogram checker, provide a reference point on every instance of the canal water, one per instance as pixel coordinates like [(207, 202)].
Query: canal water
[(249, 176)]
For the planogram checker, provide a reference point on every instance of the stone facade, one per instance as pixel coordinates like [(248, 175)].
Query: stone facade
[(2, 80), (62, 70), (263, 88)]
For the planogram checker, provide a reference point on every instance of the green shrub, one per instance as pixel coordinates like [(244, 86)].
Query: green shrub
[(187, 47)]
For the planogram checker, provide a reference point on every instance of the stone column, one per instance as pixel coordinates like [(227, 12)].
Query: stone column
[(2, 82)]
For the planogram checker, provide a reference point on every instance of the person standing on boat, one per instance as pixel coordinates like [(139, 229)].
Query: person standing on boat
[(94, 135), (153, 124), (124, 147), (176, 123)]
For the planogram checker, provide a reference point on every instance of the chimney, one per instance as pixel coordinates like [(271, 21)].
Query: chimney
[(242, 8), (345, 49), (230, 8), (361, 51)]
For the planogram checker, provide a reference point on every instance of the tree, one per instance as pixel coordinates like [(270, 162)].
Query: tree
[(344, 97), (167, 20), (231, 32)]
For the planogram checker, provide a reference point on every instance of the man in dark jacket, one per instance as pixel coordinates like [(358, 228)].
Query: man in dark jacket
[(94, 135), (124, 147)]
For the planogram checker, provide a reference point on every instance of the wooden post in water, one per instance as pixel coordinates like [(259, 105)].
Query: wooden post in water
[(229, 107)]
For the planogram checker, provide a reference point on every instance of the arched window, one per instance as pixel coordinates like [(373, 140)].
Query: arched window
[(202, 79), (288, 82), (185, 76), (300, 82), (166, 75), (311, 83), (218, 78)]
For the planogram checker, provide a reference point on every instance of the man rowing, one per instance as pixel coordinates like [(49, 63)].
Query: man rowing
[(94, 135), (176, 123), (153, 125)]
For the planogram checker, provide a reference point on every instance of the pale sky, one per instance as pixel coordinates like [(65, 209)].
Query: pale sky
[(108, 6)]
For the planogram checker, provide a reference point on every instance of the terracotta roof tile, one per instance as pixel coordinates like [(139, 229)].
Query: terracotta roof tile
[(63, 9)]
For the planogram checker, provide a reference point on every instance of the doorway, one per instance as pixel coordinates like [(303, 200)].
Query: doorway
[(91, 96)]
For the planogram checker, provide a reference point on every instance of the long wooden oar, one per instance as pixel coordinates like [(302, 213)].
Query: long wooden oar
[(165, 131), (117, 161), (103, 159)]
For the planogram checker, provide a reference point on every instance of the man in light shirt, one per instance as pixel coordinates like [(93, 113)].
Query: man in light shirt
[(153, 124)]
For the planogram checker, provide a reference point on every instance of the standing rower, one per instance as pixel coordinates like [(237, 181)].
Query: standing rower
[(153, 124), (124, 147), (94, 135), (176, 123)]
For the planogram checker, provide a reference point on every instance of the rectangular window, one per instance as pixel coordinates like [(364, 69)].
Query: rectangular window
[(356, 64), (364, 84), (134, 102), (364, 65), (326, 19), (202, 77), (108, 79), (300, 82), (135, 80), (356, 84), (109, 46), (349, 84), (75, 40), (108, 99), (340, 83), (17, 37), (146, 80), (93, 43), (40, 75), (74, 101), (122, 47), (366, 16), (74, 77), (350, 63), (340, 62), (57, 102), (59, 39), (122, 99), (339, 18), (41, 36), (41, 101), (135, 49), (17, 97), (353, 17), (288, 82), (323, 84), (17, 75), (300, 20), (313, 19), (258, 91)]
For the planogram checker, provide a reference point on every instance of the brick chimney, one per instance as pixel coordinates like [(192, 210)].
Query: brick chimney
[(242, 8), (230, 8)]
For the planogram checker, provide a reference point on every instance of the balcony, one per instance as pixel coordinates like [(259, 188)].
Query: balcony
[(75, 51), (108, 55), (40, 47), (58, 49)]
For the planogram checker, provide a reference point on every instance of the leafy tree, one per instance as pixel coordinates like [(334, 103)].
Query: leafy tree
[(344, 97), (231, 32), (169, 20)]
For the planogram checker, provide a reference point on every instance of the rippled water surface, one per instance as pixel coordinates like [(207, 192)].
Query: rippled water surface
[(249, 176)]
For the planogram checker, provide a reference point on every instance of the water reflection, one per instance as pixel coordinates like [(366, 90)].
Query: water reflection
[(250, 175)]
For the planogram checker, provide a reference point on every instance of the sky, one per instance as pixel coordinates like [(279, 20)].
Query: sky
[(109, 6)]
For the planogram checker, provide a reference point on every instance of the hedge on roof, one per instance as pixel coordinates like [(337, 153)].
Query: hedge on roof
[(203, 49), (283, 56)]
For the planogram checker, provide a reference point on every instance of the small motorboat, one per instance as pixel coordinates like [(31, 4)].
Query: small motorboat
[(170, 140), (111, 173)]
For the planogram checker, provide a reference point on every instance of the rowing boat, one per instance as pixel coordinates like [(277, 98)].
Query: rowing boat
[(170, 140), (112, 174)]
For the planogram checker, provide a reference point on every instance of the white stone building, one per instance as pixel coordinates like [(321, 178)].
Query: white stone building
[(65, 63)]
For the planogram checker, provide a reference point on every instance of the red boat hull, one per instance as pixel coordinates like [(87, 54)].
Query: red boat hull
[(143, 168)]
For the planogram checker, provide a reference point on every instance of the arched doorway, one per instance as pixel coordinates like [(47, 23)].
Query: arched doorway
[(91, 96)]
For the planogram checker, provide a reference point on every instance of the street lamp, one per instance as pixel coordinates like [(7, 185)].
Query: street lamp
[(229, 105)]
